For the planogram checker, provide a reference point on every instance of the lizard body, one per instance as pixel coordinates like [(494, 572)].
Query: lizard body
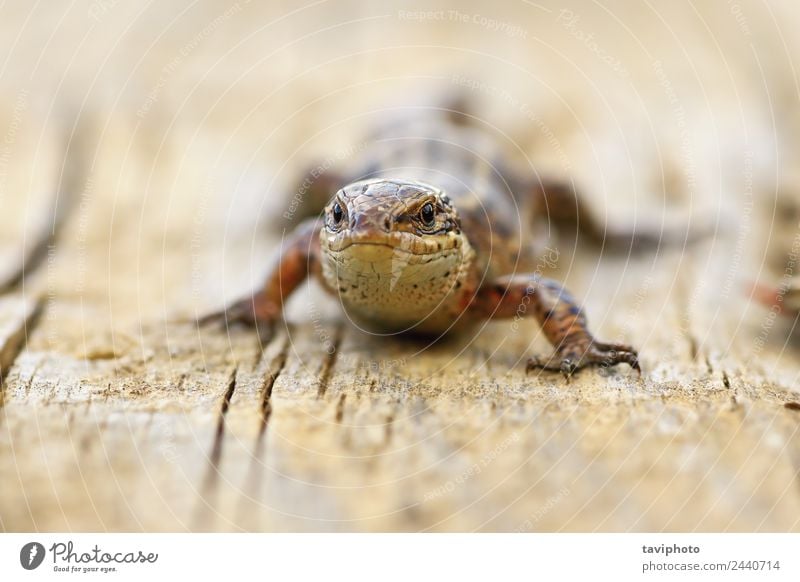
[(429, 232)]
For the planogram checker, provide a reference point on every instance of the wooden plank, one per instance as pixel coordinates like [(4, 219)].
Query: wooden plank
[(119, 415)]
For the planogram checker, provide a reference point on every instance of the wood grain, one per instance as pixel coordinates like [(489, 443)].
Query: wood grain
[(186, 129)]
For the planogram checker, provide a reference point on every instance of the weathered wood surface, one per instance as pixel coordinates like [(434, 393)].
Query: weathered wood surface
[(174, 135)]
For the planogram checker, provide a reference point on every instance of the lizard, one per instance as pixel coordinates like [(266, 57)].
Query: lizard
[(429, 231)]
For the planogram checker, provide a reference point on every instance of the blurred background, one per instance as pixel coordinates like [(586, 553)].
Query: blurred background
[(170, 131), (149, 151)]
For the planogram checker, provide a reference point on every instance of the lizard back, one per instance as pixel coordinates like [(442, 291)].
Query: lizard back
[(469, 166)]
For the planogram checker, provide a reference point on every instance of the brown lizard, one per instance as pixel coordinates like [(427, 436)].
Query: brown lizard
[(429, 232)]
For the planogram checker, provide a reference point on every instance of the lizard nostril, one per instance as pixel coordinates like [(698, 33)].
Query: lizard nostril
[(387, 223)]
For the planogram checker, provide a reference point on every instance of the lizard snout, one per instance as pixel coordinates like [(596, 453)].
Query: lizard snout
[(372, 222)]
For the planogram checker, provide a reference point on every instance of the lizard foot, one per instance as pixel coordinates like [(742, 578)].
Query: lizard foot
[(252, 312), (571, 358)]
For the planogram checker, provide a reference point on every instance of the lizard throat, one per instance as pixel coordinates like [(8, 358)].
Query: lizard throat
[(393, 281)]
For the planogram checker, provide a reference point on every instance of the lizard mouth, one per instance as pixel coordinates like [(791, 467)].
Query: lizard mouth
[(391, 242), (397, 254)]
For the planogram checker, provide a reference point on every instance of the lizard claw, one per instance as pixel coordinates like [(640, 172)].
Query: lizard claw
[(555, 364), (612, 354), (568, 367)]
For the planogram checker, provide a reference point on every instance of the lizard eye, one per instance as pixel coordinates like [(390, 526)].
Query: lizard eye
[(338, 213), (427, 214)]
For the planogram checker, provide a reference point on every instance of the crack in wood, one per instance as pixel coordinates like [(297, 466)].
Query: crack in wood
[(253, 480), (330, 362), (693, 350), (29, 383), (389, 425), (16, 342), (275, 369), (685, 301), (340, 409), (216, 451), (212, 473)]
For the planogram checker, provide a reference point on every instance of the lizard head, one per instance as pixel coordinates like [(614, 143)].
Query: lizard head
[(392, 248)]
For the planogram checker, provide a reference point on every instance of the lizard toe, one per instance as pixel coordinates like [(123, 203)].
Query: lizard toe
[(553, 364), (569, 361), (607, 355)]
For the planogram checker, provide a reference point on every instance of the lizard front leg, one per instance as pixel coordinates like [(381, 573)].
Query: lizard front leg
[(298, 258), (562, 320)]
